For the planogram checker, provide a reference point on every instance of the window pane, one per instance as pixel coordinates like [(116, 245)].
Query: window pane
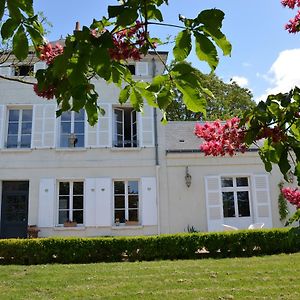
[(119, 187), (64, 141), (78, 216), (119, 201), (118, 115), (133, 187), (133, 215), (79, 116), (80, 141), (27, 115), (78, 188), (120, 214), (242, 181), (78, 127), (227, 181), (13, 128), (12, 141), (63, 202), (63, 216), (64, 188), (66, 116), (243, 204), (133, 201), (26, 141), (228, 204), (26, 128), (13, 115), (78, 202), (65, 127)]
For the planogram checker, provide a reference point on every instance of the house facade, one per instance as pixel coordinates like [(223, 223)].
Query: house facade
[(127, 175)]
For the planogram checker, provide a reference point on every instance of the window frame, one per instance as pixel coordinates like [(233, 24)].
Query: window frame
[(72, 123), (20, 122), (71, 200), (126, 204), (235, 189)]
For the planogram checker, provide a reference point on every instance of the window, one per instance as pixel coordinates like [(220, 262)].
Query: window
[(131, 69), (126, 201), (23, 70), (72, 129), (235, 194), (19, 128), (70, 200), (125, 127)]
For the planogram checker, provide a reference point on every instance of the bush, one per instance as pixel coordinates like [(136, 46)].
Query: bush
[(175, 246)]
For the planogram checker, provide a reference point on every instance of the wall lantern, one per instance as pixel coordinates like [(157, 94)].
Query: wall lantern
[(188, 177)]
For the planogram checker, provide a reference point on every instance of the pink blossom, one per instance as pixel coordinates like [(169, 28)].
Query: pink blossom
[(48, 94), (292, 195), (290, 3), (49, 52), (294, 24)]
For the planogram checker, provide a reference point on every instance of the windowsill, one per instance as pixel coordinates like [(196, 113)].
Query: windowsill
[(120, 149), (16, 149), (62, 228), (124, 227), (71, 149)]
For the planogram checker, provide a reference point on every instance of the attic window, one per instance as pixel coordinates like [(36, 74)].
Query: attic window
[(23, 70), (181, 141), (131, 69)]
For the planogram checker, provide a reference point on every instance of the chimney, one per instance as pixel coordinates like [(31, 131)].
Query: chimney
[(77, 26)]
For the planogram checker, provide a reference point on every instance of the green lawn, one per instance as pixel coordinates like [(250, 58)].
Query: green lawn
[(269, 277)]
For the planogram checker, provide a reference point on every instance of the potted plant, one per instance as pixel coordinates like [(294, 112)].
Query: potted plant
[(132, 223), (70, 223)]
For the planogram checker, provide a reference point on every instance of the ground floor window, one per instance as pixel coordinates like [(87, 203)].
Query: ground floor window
[(236, 197), (71, 198), (126, 201)]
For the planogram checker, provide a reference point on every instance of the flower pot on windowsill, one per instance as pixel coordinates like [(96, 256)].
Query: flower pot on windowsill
[(70, 224), (132, 223)]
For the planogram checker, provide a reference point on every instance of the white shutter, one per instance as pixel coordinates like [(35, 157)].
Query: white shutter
[(90, 202), (49, 126), (214, 205), (103, 201), (148, 201), (2, 125), (92, 135), (141, 69), (40, 65), (5, 70), (38, 125), (146, 136), (46, 203), (261, 200), (105, 126)]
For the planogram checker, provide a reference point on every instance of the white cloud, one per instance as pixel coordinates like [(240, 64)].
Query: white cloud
[(246, 64), (284, 73), (240, 80)]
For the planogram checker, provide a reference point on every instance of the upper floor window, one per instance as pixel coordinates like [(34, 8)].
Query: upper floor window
[(125, 127), (19, 128), (70, 201), (72, 129), (23, 70), (235, 195)]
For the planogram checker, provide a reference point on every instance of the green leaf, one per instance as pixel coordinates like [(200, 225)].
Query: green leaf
[(211, 17), (92, 112), (157, 83), (124, 94), (100, 62), (183, 45), (35, 35), (114, 10), (127, 17), (8, 28), (154, 13), (295, 217), (26, 6), (136, 100), (150, 97), (20, 44), (2, 8), (14, 10), (284, 164), (164, 98), (206, 50)]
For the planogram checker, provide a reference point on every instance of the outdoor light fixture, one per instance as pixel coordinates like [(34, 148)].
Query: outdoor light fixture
[(188, 177)]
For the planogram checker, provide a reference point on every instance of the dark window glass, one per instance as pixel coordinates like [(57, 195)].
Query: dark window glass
[(242, 181), (13, 128), (119, 187), (78, 202), (13, 115), (133, 215), (131, 69), (12, 141), (227, 182), (25, 141), (243, 204), (119, 202), (27, 115), (133, 201), (78, 216), (64, 202), (133, 187), (228, 204), (78, 188), (120, 214), (64, 188), (63, 216)]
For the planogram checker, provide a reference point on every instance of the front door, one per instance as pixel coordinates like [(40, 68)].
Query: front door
[(14, 209)]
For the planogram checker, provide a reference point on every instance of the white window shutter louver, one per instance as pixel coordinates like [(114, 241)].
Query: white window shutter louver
[(2, 125), (5, 70), (149, 201), (146, 127), (103, 201), (141, 69), (46, 203), (214, 205), (40, 65), (90, 202)]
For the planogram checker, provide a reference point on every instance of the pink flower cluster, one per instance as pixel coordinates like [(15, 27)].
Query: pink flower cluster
[(221, 139), (48, 93), (49, 52), (294, 24), (128, 42), (292, 195)]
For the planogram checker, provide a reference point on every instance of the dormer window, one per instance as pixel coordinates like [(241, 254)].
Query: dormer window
[(23, 70)]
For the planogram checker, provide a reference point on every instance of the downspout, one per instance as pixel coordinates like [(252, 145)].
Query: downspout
[(156, 154)]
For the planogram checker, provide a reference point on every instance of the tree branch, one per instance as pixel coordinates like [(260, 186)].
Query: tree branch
[(16, 79)]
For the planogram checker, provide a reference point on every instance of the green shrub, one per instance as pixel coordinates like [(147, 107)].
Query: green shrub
[(171, 246)]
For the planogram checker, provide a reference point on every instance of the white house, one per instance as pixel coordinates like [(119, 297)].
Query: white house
[(128, 175)]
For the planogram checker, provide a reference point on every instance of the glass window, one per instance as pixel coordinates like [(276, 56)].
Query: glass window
[(235, 195), (71, 198), (126, 201), (72, 129), (19, 128)]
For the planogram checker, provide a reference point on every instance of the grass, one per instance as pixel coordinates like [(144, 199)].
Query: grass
[(268, 277)]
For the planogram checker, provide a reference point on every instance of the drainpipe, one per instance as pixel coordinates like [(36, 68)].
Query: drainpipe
[(156, 154)]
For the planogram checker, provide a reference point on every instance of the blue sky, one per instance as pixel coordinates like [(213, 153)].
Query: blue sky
[(265, 58)]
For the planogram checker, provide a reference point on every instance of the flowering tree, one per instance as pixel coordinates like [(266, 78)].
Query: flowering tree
[(276, 121)]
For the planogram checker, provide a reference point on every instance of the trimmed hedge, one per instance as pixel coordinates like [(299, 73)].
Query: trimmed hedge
[(175, 246)]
